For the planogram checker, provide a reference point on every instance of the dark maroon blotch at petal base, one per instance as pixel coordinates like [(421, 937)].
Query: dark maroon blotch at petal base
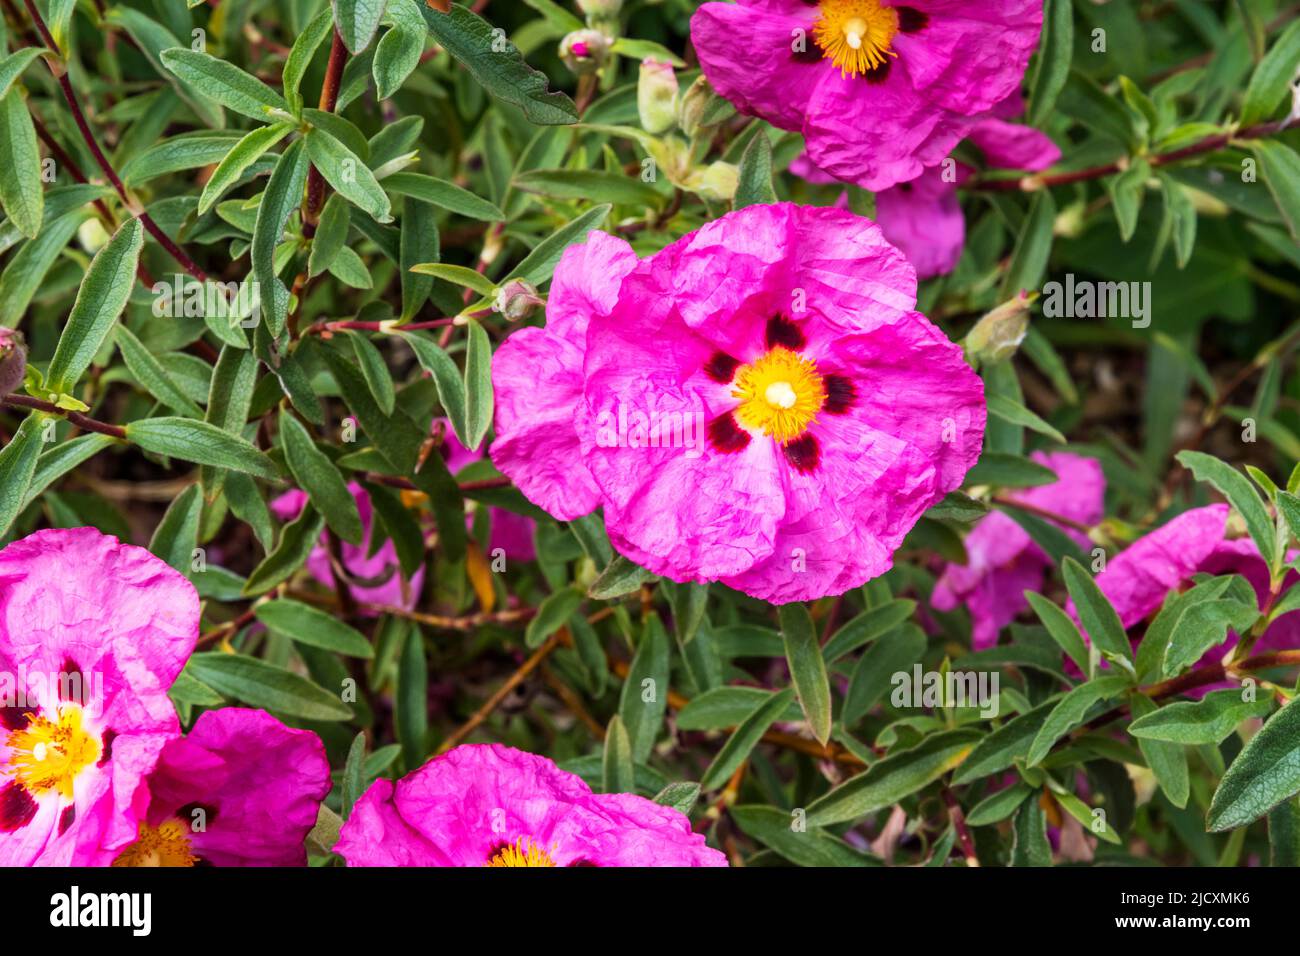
[(811, 53), (910, 19), (726, 436), (840, 394), (72, 671), (803, 453), (107, 741), (67, 817), (783, 331), (721, 367), (186, 813), (17, 808), (879, 74), (14, 718)]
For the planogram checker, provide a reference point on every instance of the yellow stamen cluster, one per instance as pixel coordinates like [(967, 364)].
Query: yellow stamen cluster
[(167, 844), (48, 754), (523, 852), (855, 35), (780, 394)]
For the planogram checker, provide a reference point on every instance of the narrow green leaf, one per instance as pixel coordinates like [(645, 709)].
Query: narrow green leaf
[(644, 698), (1266, 772), (177, 533), (1096, 613), (750, 731), (224, 82), (148, 371), (200, 443), (312, 626), (1241, 494), (260, 684), (478, 386), (755, 183), (443, 194), (807, 668), (618, 774), (551, 615), (244, 153), (320, 478), (348, 174), (17, 466), (21, 191)]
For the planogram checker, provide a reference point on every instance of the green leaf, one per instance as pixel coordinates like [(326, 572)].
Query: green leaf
[(1284, 834), (1206, 721), (497, 65), (148, 371), (644, 697), (803, 653), (1052, 69), (308, 625), (12, 66), (866, 627), (17, 466), (200, 443), (357, 21), (177, 533), (755, 182), (806, 846), (331, 234), (297, 540), (1279, 164), (282, 196), (618, 774), (236, 162), (320, 478), (1096, 613), (460, 275), (447, 379), (682, 797), (1061, 628), (1009, 471), (725, 707), (1002, 748), (890, 780), (413, 699), (260, 684), (354, 780), (186, 151), (738, 746), (621, 577), (1241, 494), (398, 52), (890, 654), (999, 806), (1015, 413), (224, 82), (552, 614), (374, 371), (1029, 259), (1030, 846), (1203, 625), (300, 56), (1070, 712), (592, 185), (539, 264), (100, 300), (1168, 762), (21, 192), (348, 174), (1266, 772), (443, 194), (420, 242), (478, 386), (1272, 79)]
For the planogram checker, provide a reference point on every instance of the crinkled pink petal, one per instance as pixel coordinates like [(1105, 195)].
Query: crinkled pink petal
[(259, 783), (510, 532), (924, 219), (1013, 146), (79, 600), (462, 807)]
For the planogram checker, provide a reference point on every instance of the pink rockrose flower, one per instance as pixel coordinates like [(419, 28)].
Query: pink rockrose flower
[(879, 90), (92, 635), (759, 403), (923, 216), (240, 789), (511, 533), (490, 805), (375, 579), (1003, 561), (1138, 579)]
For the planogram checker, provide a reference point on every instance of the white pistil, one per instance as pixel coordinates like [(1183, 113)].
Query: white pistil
[(780, 395), (854, 30)]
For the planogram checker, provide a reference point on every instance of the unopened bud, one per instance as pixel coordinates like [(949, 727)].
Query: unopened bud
[(701, 107), (92, 235), (656, 96), (13, 360), (517, 299), (584, 51), (997, 336), (718, 181)]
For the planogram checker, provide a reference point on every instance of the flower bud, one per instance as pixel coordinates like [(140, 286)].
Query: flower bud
[(92, 235), (517, 299), (701, 107), (584, 51), (718, 181), (656, 96), (997, 336), (13, 360)]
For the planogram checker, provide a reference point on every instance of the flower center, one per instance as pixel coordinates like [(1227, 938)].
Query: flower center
[(167, 844), (780, 394), (855, 34), (47, 754), (523, 852)]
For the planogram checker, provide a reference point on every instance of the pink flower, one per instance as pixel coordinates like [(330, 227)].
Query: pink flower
[(374, 579), (241, 789), (923, 217), (757, 404), (879, 90), (511, 533), (489, 805), (1138, 579), (92, 634), (1003, 562)]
